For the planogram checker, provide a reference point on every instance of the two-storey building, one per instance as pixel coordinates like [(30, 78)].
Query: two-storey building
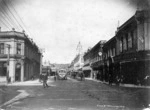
[(87, 65), (127, 54), (93, 60), (20, 57)]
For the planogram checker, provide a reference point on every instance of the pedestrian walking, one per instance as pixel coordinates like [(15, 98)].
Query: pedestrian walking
[(81, 75), (55, 77), (45, 78)]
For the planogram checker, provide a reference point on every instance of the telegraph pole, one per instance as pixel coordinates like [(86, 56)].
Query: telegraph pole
[(8, 59), (41, 51)]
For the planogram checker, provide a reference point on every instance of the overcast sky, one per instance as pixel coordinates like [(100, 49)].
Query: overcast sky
[(58, 25)]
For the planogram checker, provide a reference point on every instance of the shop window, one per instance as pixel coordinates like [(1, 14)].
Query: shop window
[(3, 68), (1, 48), (19, 48)]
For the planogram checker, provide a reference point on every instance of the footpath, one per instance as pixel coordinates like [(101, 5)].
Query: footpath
[(34, 82), (14, 95), (122, 85)]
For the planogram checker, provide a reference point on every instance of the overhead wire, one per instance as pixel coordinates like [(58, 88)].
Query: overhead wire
[(12, 14), (4, 18), (12, 20), (7, 16), (26, 29), (16, 13), (5, 24)]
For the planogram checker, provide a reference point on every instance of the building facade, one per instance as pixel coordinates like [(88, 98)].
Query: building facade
[(87, 65), (127, 54), (93, 60), (20, 57), (77, 63), (125, 58)]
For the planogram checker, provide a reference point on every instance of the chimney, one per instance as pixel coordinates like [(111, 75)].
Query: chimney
[(13, 29), (23, 31)]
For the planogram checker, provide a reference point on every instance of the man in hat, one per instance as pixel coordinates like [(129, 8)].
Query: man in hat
[(45, 78)]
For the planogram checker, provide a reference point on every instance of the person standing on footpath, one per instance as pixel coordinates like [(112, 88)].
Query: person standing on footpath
[(55, 76), (41, 78), (81, 75), (45, 78)]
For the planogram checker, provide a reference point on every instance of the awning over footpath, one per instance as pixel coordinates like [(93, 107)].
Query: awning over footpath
[(86, 68)]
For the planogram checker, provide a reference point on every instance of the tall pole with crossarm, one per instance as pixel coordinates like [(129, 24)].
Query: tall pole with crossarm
[(8, 59), (41, 51)]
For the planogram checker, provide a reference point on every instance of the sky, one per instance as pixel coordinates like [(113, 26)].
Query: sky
[(57, 26)]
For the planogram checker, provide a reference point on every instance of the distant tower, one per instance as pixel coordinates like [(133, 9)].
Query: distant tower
[(79, 48)]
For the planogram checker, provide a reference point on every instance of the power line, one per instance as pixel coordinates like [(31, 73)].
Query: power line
[(16, 13), (11, 4), (9, 7), (3, 16), (12, 13), (5, 24), (6, 14)]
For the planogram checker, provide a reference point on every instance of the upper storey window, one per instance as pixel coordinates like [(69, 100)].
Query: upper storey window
[(130, 40), (121, 44), (125, 42), (1, 48), (19, 48)]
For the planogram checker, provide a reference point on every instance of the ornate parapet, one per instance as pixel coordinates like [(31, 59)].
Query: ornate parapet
[(141, 16)]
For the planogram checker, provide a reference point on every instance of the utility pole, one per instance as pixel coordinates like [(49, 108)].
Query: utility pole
[(41, 51), (8, 59)]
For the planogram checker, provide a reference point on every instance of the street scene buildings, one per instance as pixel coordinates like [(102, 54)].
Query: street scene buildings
[(19, 57), (113, 74), (125, 57)]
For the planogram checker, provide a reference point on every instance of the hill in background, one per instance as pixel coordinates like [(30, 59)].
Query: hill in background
[(60, 66)]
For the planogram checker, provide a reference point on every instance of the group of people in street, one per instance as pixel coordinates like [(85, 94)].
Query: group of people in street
[(79, 74), (43, 78)]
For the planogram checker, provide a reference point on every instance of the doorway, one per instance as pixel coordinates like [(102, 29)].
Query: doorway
[(18, 72)]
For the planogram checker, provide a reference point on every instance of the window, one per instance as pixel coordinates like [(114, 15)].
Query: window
[(1, 48), (111, 52), (19, 48), (114, 52), (126, 36), (130, 37), (108, 53), (124, 43), (121, 44)]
